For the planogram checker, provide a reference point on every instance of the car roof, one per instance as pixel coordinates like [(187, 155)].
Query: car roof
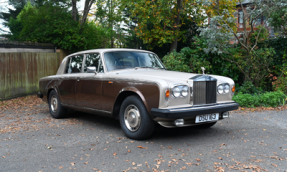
[(108, 50)]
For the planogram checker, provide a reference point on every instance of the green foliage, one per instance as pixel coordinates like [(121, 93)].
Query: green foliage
[(248, 88), (262, 35), (268, 99), (54, 24), (187, 60), (192, 59), (160, 22), (278, 20), (280, 84), (279, 59), (247, 100), (176, 61)]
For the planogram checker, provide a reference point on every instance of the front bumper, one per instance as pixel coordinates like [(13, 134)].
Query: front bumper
[(40, 95), (193, 111)]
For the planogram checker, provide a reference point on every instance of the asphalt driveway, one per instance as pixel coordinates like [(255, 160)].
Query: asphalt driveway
[(30, 140)]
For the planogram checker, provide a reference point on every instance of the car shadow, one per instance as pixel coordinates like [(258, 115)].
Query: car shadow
[(160, 133)]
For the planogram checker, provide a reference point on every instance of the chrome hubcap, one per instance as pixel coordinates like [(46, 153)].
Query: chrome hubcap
[(132, 118), (54, 103)]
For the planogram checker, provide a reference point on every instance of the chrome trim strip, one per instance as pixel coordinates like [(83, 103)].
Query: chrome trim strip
[(90, 109), (202, 107)]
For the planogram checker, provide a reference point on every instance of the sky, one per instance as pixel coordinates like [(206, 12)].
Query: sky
[(4, 7)]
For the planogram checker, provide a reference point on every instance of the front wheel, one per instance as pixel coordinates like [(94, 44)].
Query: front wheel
[(135, 120), (55, 107)]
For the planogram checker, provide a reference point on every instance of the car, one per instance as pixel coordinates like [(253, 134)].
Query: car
[(134, 87)]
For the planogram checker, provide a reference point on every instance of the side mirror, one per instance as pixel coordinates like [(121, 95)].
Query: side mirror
[(92, 69)]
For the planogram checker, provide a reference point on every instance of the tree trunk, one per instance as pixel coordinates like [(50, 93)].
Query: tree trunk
[(74, 10), (173, 45), (111, 23), (88, 5)]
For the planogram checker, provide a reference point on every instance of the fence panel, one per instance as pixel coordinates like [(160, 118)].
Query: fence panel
[(20, 72)]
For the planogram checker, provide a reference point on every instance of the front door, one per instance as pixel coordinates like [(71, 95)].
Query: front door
[(89, 85)]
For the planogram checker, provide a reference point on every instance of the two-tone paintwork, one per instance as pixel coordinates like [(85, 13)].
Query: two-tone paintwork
[(103, 93)]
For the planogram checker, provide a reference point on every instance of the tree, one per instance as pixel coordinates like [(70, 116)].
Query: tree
[(254, 63), (54, 24), (278, 19), (109, 16), (159, 21)]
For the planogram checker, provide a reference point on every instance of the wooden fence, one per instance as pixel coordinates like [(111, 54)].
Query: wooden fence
[(20, 72)]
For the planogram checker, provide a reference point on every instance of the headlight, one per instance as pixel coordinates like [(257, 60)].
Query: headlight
[(176, 92), (223, 89), (220, 89), (226, 88), (180, 91), (184, 91)]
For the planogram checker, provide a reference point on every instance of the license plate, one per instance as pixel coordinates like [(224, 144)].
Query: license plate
[(207, 117)]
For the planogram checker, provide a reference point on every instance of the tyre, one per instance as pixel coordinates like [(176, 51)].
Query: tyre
[(55, 107), (135, 120), (207, 125)]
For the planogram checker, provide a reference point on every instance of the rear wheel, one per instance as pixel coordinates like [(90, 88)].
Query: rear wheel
[(135, 120), (55, 107)]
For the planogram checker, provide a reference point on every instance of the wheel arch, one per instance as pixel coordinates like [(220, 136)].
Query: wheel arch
[(123, 94), (49, 91)]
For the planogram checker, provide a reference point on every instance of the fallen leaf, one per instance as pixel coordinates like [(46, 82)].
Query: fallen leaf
[(274, 165), (60, 167), (86, 162), (72, 163), (142, 147), (197, 160), (115, 154)]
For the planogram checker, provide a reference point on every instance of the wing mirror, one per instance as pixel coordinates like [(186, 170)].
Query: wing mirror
[(92, 69)]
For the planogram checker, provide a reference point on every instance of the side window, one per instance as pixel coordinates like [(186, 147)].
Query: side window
[(101, 68), (68, 69), (75, 64), (91, 60)]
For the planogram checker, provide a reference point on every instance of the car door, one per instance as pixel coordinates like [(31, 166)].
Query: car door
[(89, 85), (67, 81)]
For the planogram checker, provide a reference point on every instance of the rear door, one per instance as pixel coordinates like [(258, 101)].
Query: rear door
[(67, 81)]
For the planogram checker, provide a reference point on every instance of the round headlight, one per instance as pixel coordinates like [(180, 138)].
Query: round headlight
[(176, 92), (184, 91), (220, 89), (226, 88)]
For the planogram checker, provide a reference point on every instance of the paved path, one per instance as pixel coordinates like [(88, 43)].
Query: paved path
[(30, 140)]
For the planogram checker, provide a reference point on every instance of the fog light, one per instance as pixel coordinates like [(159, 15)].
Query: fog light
[(225, 114), (179, 122)]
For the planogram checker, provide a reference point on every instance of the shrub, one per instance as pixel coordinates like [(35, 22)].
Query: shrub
[(268, 99), (247, 100), (176, 61), (272, 99), (280, 84), (248, 88)]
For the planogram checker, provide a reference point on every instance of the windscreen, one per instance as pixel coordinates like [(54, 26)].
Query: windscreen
[(124, 60)]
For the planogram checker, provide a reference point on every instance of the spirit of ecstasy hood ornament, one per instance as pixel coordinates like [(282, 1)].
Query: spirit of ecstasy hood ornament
[(203, 69)]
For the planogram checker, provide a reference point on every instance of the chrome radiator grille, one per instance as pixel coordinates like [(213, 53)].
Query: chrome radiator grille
[(204, 92)]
